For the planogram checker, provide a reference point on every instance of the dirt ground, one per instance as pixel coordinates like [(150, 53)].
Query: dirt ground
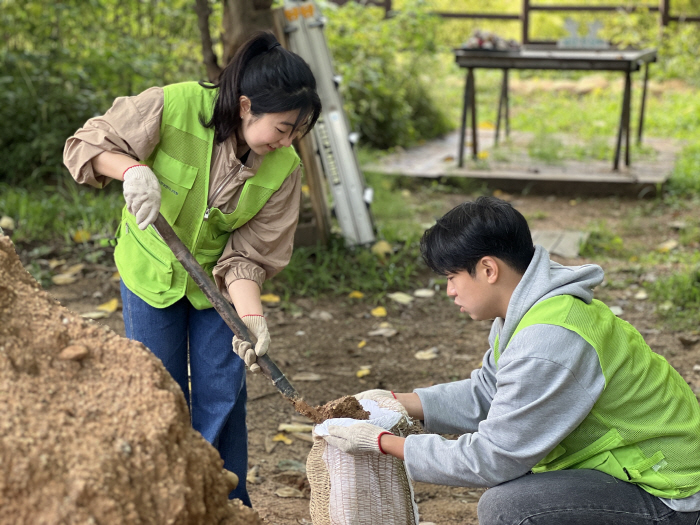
[(319, 345)]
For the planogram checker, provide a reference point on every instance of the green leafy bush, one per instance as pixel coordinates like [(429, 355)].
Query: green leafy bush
[(388, 68)]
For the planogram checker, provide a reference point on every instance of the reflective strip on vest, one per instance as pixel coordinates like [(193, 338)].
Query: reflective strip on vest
[(645, 427)]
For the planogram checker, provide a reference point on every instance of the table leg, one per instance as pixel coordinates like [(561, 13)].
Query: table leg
[(640, 128), (628, 95), (500, 110), (462, 130), (505, 84), (623, 120), (475, 139)]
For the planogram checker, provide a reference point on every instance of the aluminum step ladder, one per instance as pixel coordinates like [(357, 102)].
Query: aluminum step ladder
[(334, 141)]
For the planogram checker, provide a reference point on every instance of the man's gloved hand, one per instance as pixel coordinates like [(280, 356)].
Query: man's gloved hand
[(257, 326), (375, 395), (142, 194), (356, 439)]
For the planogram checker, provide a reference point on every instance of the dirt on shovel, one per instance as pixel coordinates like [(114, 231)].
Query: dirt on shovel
[(346, 406)]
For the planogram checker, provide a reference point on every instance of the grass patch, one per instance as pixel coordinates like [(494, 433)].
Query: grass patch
[(678, 298), (338, 270), (46, 213)]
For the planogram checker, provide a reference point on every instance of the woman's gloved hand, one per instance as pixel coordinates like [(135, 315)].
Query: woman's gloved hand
[(356, 439), (142, 194), (257, 326)]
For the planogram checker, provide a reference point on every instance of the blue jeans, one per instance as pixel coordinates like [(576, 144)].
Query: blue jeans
[(575, 497), (217, 399)]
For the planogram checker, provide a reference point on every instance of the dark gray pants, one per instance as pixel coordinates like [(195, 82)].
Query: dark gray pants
[(575, 497)]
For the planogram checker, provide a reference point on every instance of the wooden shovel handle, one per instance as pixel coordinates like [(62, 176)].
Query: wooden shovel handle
[(220, 304)]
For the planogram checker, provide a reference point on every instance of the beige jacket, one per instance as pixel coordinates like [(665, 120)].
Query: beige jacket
[(257, 250)]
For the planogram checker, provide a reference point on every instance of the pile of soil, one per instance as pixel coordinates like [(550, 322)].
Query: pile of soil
[(346, 406), (94, 429)]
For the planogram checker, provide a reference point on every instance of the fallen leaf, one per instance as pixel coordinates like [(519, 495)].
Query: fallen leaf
[(269, 444), (305, 189), (667, 246), (362, 344), (400, 297), (425, 355), (289, 492), (81, 236), (270, 298), (666, 306), (110, 306), (383, 332), (448, 158), (363, 372), (303, 437), (381, 248), (379, 311), (252, 476), (63, 278), (115, 277), (356, 295), (55, 263), (641, 295), (424, 292), (283, 438), (95, 315), (307, 376), (617, 310), (482, 155), (291, 464), (294, 427), (321, 315), (75, 269)]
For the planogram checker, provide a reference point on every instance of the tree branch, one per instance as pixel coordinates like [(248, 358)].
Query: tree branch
[(208, 56)]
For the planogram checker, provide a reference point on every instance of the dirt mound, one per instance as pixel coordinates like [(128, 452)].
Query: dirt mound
[(93, 429)]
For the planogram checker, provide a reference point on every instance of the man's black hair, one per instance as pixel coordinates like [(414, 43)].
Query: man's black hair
[(274, 79), (473, 230)]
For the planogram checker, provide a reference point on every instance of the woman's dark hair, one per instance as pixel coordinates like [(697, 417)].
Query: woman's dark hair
[(274, 79), (472, 230)]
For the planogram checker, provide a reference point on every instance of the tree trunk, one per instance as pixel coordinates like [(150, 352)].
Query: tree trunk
[(241, 19)]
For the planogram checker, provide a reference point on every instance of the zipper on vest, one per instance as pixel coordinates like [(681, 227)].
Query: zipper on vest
[(229, 177)]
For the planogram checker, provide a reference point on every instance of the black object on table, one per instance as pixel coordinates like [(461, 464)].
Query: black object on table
[(553, 58)]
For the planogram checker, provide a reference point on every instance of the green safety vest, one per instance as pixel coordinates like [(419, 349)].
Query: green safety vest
[(181, 161), (645, 427)]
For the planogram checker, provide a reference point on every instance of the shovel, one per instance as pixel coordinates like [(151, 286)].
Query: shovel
[(228, 314)]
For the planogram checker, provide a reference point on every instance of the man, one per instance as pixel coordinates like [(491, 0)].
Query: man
[(571, 419)]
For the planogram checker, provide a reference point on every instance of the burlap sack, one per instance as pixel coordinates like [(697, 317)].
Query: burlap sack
[(361, 489)]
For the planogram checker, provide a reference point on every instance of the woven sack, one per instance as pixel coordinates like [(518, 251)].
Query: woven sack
[(361, 489)]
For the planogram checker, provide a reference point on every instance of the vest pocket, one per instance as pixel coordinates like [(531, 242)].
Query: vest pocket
[(143, 267), (176, 179)]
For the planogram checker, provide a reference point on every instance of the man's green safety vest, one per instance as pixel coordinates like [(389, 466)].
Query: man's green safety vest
[(181, 161), (645, 427)]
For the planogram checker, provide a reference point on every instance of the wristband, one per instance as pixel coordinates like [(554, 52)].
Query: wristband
[(127, 169), (379, 441)]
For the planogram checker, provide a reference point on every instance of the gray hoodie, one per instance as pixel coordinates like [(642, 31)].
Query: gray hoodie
[(510, 417)]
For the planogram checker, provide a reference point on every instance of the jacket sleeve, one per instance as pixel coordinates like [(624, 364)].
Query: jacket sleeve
[(131, 127), (262, 247), (543, 393), (459, 407)]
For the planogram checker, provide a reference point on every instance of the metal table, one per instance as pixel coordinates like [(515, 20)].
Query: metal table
[(552, 58)]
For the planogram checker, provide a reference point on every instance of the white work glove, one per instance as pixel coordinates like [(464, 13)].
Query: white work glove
[(356, 439), (375, 395), (142, 194), (384, 398), (257, 327)]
